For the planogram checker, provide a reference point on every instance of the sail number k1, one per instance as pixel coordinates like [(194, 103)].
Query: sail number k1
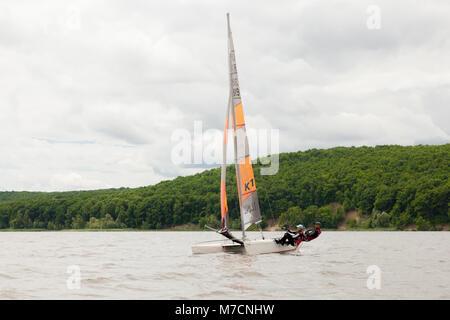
[(249, 185)]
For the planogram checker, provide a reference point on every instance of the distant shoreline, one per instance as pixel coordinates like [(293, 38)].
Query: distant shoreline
[(205, 230)]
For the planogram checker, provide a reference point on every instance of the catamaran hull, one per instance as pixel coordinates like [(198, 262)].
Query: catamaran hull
[(266, 246), (250, 247)]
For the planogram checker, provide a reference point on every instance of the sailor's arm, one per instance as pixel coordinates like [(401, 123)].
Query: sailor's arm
[(299, 235)]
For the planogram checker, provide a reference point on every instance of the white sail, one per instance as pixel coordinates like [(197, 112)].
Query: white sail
[(248, 197)]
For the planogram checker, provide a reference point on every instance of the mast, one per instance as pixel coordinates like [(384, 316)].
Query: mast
[(248, 198)]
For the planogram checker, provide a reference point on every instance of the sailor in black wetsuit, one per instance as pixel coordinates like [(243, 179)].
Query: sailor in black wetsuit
[(312, 234), (292, 237)]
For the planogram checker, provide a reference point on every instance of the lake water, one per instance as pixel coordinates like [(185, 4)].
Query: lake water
[(160, 265)]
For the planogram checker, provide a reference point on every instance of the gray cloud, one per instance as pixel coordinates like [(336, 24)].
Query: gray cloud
[(91, 91)]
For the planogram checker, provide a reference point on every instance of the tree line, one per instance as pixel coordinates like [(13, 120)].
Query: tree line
[(389, 186)]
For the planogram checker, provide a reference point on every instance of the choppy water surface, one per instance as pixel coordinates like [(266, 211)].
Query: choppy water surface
[(159, 265)]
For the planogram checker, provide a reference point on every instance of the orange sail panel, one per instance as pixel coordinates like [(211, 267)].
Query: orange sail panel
[(248, 185), (239, 116), (223, 191), (223, 205)]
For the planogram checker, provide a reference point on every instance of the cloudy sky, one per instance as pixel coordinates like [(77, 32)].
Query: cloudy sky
[(92, 92)]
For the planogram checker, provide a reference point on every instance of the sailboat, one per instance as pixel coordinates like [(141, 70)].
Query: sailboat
[(248, 196)]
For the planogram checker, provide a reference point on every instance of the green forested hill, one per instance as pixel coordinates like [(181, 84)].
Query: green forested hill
[(19, 195), (389, 186)]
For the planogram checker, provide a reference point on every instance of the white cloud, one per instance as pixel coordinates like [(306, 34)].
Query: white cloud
[(91, 91)]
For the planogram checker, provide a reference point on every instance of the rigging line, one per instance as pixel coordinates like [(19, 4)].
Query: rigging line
[(266, 194), (260, 229)]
